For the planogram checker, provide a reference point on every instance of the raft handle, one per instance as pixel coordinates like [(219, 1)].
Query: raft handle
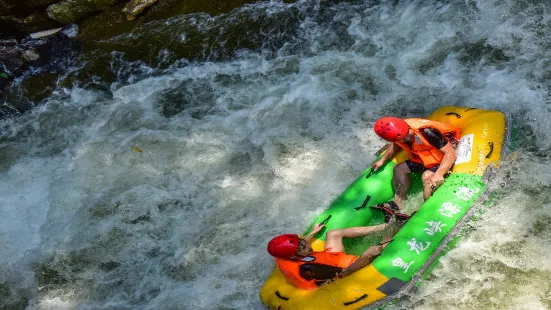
[(355, 301), (364, 204), (282, 297), (491, 144), (369, 174), (326, 220), (453, 113)]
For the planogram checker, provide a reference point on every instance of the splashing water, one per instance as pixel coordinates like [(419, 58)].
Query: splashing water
[(163, 193)]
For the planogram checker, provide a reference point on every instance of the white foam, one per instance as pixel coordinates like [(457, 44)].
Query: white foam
[(184, 222)]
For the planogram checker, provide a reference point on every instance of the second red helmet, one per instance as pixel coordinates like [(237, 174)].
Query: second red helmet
[(391, 128), (283, 246)]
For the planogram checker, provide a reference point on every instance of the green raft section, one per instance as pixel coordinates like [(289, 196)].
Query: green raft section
[(418, 241)]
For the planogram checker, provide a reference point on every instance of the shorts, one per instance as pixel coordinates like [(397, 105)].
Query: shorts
[(417, 167)]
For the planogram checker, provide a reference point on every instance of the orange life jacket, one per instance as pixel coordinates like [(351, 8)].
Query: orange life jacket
[(421, 151), (291, 268)]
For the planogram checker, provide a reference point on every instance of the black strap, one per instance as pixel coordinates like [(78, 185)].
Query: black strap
[(356, 300), (326, 220), (282, 297), (369, 174), (393, 205), (453, 113), (317, 271), (491, 144), (364, 204)]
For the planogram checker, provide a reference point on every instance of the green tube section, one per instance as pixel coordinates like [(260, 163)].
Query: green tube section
[(420, 237), (417, 241), (352, 207)]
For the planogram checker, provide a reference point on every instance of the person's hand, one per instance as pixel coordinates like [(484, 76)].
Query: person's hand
[(378, 164), (436, 180), (317, 228)]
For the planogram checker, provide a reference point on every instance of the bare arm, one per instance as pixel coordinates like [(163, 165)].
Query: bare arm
[(447, 162), (449, 159), (391, 149), (315, 230)]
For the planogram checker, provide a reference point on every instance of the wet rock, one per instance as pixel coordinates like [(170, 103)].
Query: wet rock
[(136, 7), (160, 44), (10, 57), (5, 110), (71, 31), (105, 25), (37, 22), (10, 31), (34, 4), (6, 7), (72, 11), (13, 65), (47, 56), (111, 22), (10, 65), (53, 49), (17, 10), (12, 21), (30, 55), (31, 90), (22, 7)]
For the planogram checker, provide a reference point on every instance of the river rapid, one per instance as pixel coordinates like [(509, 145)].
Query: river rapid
[(161, 190)]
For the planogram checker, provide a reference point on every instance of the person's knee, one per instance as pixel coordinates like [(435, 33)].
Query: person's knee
[(334, 234), (401, 169)]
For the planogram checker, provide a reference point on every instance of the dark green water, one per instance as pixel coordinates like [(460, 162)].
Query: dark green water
[(249, 124)]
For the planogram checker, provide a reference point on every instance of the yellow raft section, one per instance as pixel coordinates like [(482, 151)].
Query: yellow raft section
[(360, 289)]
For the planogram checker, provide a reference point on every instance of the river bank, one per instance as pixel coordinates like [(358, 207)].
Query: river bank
[(107, 31)]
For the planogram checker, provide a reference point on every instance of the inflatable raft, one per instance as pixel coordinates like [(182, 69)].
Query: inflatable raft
[(421, 241)]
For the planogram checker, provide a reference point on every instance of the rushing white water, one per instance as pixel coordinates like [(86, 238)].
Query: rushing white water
[(164, 195)]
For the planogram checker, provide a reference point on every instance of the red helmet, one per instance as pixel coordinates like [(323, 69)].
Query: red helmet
[(283, 246), (391, 128)]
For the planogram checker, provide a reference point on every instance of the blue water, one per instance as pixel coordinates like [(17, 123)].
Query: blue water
[(162, 191)]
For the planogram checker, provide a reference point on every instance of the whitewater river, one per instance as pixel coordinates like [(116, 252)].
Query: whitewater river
[(162, 190)]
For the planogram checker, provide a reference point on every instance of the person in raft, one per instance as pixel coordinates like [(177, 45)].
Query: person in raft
[(307, 269), (431, 149)]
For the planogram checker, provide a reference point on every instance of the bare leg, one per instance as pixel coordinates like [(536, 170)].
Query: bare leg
[(370, 254), (427, 190), (401, 183), (334, 237), (367, 257)]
